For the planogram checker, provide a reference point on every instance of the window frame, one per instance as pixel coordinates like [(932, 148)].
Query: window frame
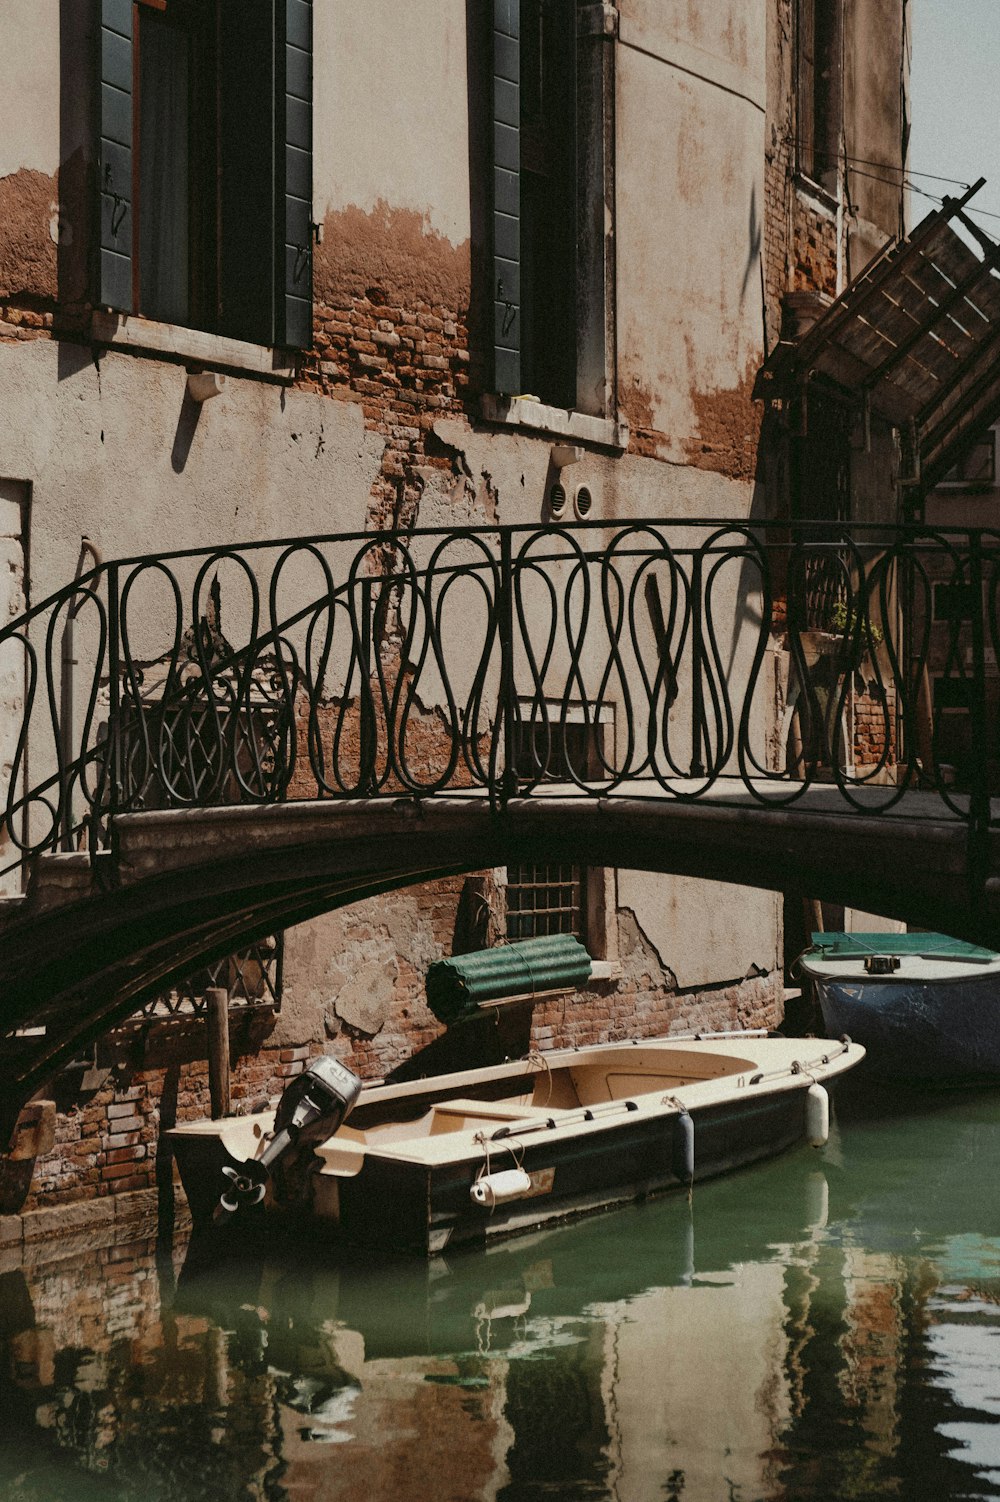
[(594, 394), (264, 279), (825, 184)]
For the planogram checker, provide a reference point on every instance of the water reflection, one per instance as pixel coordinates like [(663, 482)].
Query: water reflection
[(824, 1326)]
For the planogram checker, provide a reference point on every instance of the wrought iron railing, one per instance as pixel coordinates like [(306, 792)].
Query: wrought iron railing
[(251, 977), (718, 657)]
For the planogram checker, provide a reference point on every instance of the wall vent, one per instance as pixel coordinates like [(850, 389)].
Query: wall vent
[(557, 500), (583, 500)]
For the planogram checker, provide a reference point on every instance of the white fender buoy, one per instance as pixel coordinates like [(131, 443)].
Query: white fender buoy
[(494, 1188), (817, 1116), (684, 1148)]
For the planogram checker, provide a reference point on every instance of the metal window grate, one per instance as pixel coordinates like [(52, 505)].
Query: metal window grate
[(544, 899)]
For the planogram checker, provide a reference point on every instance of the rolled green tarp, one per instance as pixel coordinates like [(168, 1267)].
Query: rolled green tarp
[(455, 987)]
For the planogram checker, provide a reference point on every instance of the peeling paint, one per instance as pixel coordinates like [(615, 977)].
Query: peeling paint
[(636, 402), (44, 233), (641, 960), (728, 432), (28, 259), (364, 1002), (394, 251)]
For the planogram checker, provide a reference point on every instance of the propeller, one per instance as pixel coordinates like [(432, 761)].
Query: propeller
[(244, 1186)]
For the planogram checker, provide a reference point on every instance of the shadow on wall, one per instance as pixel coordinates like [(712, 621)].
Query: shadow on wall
[(478, 44), (34, 1136), (77, 164)]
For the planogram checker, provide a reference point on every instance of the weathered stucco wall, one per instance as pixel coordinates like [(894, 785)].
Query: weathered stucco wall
[(875, 97), (29, 86), (115, 449), (690, 200), (45, 149), (402, 145)]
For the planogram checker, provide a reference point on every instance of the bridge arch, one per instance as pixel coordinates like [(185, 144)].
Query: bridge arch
[(195, 884)]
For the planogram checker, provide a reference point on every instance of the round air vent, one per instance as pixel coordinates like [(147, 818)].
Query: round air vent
[(583, 501), (557, 500)]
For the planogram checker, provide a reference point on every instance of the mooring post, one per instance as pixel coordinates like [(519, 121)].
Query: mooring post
[(217, 1005), (978, 858), (506, 786)]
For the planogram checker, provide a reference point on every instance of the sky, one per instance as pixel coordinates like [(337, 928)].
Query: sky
[(955, 101)]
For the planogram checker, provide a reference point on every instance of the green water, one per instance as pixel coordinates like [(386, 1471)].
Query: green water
[(825, 1326)]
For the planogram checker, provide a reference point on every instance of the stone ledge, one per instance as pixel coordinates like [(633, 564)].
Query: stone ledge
[(63, 1220), (557, 422), (53, 1232), (215, 351), (11, 1230)]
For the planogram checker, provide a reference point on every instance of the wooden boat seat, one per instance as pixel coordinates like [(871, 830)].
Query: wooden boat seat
[(476, 1115), (344, 1153)]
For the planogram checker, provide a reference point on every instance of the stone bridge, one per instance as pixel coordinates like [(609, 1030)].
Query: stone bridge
[(223, 744)]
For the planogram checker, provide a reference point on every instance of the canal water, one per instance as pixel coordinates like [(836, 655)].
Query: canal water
[(824, 1326)]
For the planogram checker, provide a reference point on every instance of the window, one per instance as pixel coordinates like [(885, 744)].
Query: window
[(546, 897), (552, 74), (953, 600), (206, 165), (978, 465), (953, 694), (820, 89)]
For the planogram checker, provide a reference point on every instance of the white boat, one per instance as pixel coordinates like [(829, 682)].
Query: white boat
[(926, 1007), (484, 1153)]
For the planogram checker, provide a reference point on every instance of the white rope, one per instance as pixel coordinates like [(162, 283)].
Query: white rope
[(536, 1057)]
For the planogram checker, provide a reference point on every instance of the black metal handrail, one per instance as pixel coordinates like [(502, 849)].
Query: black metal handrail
[(700, 657)]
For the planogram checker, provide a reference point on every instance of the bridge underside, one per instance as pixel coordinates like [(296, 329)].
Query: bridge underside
[(196, 884)]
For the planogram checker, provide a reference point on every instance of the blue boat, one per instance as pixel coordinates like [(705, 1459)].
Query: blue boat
[(924, 1006)]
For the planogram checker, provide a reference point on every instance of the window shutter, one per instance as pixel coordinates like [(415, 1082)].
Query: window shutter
[(295, 175), (114, 279), (247, 188), (506, 197), (806, 87)]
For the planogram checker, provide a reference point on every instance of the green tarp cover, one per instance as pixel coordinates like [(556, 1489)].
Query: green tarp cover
[(457, 986), (930, 946)]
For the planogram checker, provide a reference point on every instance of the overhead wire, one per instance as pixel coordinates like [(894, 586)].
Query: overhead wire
[(905, 180), (889, 166)]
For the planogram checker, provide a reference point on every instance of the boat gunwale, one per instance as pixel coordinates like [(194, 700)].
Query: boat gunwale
[(788, 1071), (851, 971)]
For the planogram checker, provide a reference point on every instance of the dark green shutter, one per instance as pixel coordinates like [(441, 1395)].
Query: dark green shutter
[(506, 197), (295, 175), (114, 279), (247, 188)]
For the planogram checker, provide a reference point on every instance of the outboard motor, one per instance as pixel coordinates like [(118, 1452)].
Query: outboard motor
[(311, 1109)]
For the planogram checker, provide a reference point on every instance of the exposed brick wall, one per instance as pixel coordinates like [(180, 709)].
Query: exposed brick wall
[(814, 247), (875, 724), (406, 365), (776, 201), (800, 230), (108, 1142), (614, 1010), (21, 323)]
